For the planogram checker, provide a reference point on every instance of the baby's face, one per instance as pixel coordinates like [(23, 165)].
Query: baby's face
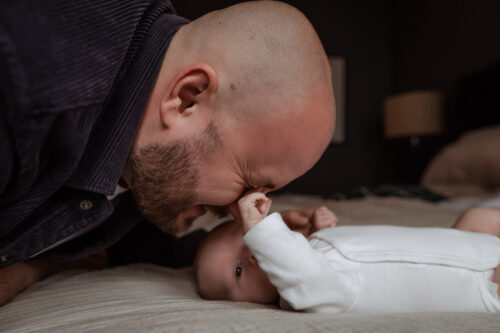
[(227, 270)]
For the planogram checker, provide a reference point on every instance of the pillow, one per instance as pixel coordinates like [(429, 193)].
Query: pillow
[(468, 167)]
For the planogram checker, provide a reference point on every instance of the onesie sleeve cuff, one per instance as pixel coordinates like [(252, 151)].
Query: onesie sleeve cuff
[(266, 230)]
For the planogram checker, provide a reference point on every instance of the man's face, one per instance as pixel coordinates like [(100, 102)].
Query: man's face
[(176, 182)]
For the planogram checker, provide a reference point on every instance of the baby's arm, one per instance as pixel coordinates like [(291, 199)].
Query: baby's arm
[(308, 221), (253, 208), (480, 219), (303, 276)]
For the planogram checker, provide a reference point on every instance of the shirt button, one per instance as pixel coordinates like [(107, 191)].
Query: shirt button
[(3, 258), (85, 204)]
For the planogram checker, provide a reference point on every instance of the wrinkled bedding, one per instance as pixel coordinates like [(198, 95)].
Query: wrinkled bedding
[(148, 298)]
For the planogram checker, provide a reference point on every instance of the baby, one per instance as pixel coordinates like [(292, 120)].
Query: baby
[(348, 268)]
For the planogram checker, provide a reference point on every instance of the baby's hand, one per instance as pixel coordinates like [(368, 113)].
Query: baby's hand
[(253, 208), (323, 218), (308, 221)]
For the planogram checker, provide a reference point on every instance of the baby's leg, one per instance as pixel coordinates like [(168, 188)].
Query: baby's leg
[(480, 219), (486, 220)]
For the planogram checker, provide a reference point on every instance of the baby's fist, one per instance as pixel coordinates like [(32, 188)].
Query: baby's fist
[(253, 208), (323, 218)]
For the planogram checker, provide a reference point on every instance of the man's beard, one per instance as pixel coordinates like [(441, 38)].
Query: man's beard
[(164, 178)]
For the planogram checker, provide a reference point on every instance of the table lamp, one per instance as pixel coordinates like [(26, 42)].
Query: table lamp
[(413, 114)]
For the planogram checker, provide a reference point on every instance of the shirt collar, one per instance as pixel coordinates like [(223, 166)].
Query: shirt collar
[(116, 128)]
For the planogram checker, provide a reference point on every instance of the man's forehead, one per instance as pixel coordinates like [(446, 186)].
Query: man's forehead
[(267, 164), (272, 175), (273, 165)]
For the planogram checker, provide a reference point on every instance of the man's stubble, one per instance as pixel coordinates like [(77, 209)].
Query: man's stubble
[(164, 178)]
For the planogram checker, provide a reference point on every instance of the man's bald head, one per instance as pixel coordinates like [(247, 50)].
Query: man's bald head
[(265, 53)]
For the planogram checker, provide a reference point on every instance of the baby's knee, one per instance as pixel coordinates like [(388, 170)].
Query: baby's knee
[(477, 213), (480, 219), (470, 218)]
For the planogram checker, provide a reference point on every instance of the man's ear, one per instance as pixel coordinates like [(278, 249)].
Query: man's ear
[(189, 88)]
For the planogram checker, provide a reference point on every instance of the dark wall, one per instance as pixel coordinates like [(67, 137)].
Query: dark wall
[(389, 47), (359, 31), (438, 43)]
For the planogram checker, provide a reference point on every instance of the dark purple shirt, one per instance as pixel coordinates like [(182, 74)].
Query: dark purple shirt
[(75, 77)]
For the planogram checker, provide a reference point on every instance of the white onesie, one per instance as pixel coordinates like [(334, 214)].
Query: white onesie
[(378, 268)]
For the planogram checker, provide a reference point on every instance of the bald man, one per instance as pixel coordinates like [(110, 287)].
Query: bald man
[(187, 115)]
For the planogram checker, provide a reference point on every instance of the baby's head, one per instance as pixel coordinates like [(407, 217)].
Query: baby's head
[(226, 269)]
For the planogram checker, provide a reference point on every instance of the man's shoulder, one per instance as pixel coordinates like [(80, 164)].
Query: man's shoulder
[(66, 54)]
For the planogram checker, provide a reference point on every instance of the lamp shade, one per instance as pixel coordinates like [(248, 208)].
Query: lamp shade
[(415, 113)]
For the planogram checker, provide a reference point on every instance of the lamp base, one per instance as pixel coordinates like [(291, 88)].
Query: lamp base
[(414, 140)]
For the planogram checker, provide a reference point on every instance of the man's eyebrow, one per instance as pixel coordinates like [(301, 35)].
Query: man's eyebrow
[(255, 182), (264, 183), (270, 186)]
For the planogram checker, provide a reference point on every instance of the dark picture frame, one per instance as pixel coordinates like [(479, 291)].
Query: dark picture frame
[(338, 65)]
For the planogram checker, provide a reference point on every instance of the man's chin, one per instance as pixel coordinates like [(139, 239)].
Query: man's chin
[(166, 224), (171, 227), (183, 225), (175, 225)]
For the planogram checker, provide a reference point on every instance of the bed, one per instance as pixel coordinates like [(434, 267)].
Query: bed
[(145, 297), (151, 298)]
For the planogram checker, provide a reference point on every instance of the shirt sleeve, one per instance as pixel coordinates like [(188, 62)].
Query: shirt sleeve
[(304, 277), (6, 150)]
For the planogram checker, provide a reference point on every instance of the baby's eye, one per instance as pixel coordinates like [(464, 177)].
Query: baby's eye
[(238, 271)]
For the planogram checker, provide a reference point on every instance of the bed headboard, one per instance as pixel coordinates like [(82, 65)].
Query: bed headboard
[(479, 99)]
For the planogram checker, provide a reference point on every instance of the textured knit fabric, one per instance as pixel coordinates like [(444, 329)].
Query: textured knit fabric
[(75, 77)]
